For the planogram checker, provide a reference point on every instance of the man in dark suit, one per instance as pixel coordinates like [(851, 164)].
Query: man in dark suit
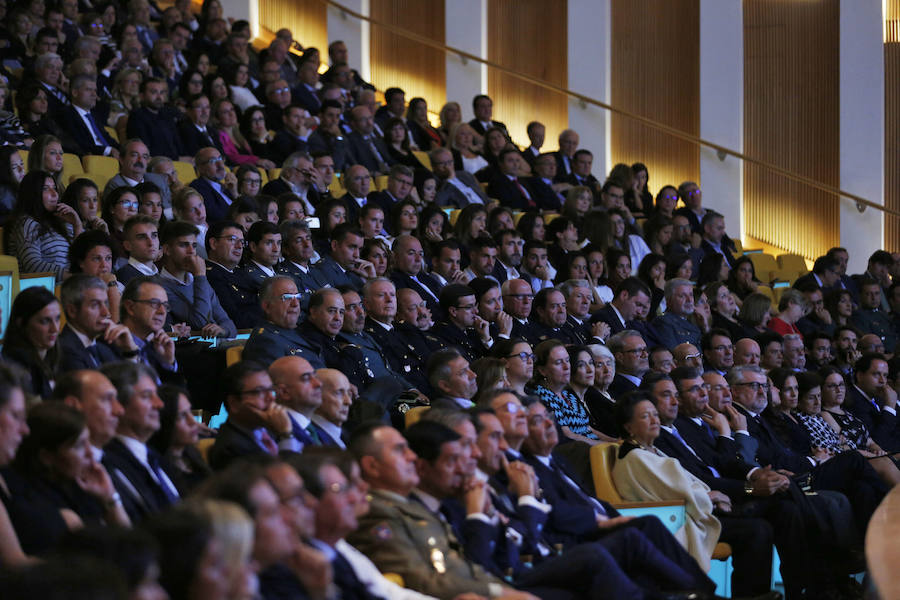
[(714, 237), (47, 71), (483, 107), (133, 161), (579, 516), (518, 300), (195, 131), (399, 186), (824, 275), (225, 249), (134, 467), (631, 295), (872, 401), (329, 418), (568, 144), (393, 108), (143, 312), (878, 268), (847, 472), (84, 300), (455, 188), (409, 272), (632, 361), (328, 137), (343, 266), (292, 136), (505, 185), (297, 249), (154, 123), (256, 424), (547, 194), (216, 184), (357, 180), (82, 124), (582, 162), (305, 93), (366, 148), (299, 392), (536, 132), (692, 196), (846, 282)]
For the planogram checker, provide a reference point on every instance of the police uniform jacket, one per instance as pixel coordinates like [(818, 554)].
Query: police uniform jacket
[(402, 536), (466, 341), (306, 283), (337, 354), (401, 355), (270, 342), (243, 308)]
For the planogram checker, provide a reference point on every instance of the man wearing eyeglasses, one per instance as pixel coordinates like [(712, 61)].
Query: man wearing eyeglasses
[(256, 424), (518, 299), (278, 335), (144, 307), (462, 328), (718, 351), (225, 248), (195, 131), (216, 184), (399, 186), (690, 193), (455, 188), (632, 361)]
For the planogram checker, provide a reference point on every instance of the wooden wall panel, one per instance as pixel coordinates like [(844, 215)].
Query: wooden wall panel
[(656, 74), (397, 61), (305, 18), (528, 36), (892, 125), (791, 119)]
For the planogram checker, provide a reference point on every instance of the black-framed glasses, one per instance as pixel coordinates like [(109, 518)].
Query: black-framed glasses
[(755, 386), (637, 351), (523, 356), (156, 303)]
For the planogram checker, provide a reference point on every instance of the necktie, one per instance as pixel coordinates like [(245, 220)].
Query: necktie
[(98, 135), (162, 480), (523, 192), (313, 434), (708, 430), (378, 158), (678, 437), (94, 353), (266, 442)]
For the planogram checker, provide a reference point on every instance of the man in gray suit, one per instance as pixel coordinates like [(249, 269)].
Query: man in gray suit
[(133, 162), (457, 189)]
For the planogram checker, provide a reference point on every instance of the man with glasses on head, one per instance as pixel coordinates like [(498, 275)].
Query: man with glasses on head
[(256, 424), (687, 355), (277, 336), (183, 275), (632, 361), (134, 161), (216, 184)]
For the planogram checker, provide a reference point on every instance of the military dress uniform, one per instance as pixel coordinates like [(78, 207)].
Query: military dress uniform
[(241, 307), (540, 333), (270, 342), (464, 340), (402, 355), (337, 354), (402, 536)]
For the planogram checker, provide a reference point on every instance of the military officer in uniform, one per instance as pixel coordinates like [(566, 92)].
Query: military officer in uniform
[(398, 347), (550, 313), (673, 327), (264, 247), (225, 248), (298, 251), (463, 328), (489, 304), (401, 535), (278, 335)]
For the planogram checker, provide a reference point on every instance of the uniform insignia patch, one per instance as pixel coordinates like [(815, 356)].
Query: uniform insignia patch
[(383, 532)]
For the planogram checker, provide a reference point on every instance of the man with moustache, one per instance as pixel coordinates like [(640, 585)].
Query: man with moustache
[(278, 335)]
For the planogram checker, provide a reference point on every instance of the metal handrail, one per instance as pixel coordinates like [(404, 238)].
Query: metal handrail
[(721, 150)]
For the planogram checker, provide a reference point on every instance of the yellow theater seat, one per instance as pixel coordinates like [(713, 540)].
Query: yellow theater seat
[(764, 265), (792, 262), (106, 166), (72, 164), (185, 170)]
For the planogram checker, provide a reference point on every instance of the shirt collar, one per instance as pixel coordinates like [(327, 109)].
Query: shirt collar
[(301, 420), (142, 268), (267, 270), (135, 447)]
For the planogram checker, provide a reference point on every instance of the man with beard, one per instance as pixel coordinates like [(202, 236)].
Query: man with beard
[(509, 258)]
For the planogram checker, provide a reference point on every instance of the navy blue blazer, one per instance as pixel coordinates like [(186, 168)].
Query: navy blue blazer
[(157, 130), (82, 135), (74, 356), (141, 495), (216, 206), (193, 140)]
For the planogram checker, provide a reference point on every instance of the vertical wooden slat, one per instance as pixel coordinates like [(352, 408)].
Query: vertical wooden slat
[(656, 74), (305, 18), (892, 124), (529, 36), (397, 61), (791, 119)]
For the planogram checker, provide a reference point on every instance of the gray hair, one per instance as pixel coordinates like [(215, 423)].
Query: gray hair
[(292, 159), (616, 342), (45, 59), (368, 285), (600, 350), (265, 289), (737, 374), (449, 417), (673, 284), (568, 286), (124, 376), (73, 289), (792, 295)]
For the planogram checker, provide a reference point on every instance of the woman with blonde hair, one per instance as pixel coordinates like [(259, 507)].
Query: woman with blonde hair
[(233, 528), (462, 145)]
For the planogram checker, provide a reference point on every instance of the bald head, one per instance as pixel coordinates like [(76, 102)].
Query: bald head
[(337, 396), (687, 355), (296, 384), (746, 352)]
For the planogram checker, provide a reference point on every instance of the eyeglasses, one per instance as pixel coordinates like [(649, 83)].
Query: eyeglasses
[(128, 204), (338, 488), (258, 392), (466, 307), (511, 407), (233, 239), (523, 356), (638, 351), (692, 355), (253, 181), (755, 386), (834, 386), (289, 297), (694, 389), (214, 160), (155, 304)]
